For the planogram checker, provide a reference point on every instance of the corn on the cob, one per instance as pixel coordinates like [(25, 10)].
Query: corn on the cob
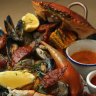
[(62, 39)]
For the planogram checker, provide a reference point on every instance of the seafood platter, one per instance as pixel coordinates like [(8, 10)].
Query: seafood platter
[(33, 60)]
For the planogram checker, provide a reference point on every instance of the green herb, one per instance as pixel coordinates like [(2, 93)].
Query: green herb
[(41, 89), (35, 67), (16, 74)]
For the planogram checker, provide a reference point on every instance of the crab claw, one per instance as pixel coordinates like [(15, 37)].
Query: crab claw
[(71, 76)]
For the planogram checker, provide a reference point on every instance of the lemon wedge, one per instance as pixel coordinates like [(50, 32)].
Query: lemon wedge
[(31, 22), (15, 79)]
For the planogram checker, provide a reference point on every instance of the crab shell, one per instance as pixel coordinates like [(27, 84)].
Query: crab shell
[(76, 22)]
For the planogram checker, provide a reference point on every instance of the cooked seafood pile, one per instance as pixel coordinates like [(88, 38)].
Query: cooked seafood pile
[(32, 58)]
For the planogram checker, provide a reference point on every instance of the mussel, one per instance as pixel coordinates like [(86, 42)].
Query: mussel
[(3, 91), (15, 33), (93, 36)]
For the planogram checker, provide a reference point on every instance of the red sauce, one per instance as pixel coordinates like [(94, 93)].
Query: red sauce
[(87, 57), (93, 80)]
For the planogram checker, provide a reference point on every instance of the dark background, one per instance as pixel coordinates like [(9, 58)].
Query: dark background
[(18, 8)]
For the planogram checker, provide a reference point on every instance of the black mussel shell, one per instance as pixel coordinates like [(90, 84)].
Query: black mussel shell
[(3, 91), (93, 36)]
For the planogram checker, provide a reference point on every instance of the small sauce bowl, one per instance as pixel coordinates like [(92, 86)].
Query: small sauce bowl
[(77, 46), (91, 87)]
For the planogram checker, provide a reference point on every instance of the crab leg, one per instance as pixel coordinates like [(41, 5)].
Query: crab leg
[(71, 76)]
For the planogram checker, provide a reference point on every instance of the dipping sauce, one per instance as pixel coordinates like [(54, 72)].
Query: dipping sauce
[(93, 80), (86, 57)]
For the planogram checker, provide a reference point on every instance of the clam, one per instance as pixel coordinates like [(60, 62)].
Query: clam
[(26, 64), (41, 53), (59, 89)]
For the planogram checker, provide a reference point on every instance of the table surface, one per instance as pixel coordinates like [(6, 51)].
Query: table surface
[(18, 8)]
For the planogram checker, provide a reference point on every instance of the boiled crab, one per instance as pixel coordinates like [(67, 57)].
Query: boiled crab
[(68, 20)]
